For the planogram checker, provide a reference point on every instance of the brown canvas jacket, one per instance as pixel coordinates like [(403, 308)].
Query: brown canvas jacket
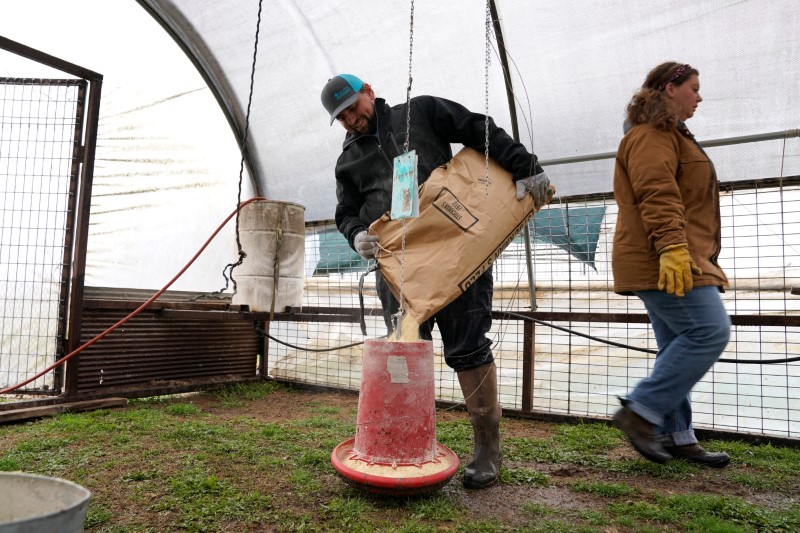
[(667, 192)]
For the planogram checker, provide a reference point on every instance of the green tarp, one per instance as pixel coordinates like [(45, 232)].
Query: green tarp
[(574, 230), (336, 256)]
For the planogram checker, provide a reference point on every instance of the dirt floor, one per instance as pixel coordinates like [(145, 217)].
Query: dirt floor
[(132, 502), (504, 501)]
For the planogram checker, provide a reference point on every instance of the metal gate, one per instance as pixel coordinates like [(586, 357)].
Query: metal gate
[(47, 137)]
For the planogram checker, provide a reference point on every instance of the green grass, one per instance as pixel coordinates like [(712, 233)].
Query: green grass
[(523, 476), (435, 507), (208, 463), (236, 395), (183, 409), (537, 510), (605, 490), (719, 512)]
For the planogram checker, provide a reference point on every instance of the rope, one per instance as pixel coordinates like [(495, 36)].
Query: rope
[(276, 260)]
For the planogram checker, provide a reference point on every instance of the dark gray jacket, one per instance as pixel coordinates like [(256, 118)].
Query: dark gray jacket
[(364, 170)]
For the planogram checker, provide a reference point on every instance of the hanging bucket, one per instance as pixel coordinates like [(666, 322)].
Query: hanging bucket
[(271, 277), (395, 449), (37, 503)]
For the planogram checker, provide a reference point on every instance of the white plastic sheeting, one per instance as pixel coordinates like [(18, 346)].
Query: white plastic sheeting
[(168, 162), (166, 170), (575, 65)]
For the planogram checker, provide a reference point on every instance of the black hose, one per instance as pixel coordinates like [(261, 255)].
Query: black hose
[(536, 321), (646, 350)]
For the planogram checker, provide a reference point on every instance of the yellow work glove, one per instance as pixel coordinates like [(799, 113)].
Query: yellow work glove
[(675, 270)]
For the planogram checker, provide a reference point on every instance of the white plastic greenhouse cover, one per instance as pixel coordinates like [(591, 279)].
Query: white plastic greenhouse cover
[(574, 65)]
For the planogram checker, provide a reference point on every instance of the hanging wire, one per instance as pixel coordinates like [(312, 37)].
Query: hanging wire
[(488, 26), (242, 254), (398, 317), (487, 62), (528, 118), (498, 338)]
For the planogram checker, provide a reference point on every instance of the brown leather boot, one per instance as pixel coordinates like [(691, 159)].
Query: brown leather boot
[(640, 433), (479, 386), (696, 454)]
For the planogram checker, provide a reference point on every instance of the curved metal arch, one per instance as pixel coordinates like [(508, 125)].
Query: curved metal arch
[(202, 57)]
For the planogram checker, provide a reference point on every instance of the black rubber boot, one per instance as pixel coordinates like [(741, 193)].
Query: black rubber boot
[(479, 386), (640, 433)]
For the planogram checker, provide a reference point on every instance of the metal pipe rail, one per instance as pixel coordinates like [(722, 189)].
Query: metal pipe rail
[(758, 137)]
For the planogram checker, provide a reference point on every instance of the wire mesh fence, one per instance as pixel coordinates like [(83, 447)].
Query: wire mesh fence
[(38, 136), (591, 345)]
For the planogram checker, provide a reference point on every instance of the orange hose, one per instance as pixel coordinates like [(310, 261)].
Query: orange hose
[(137, 311)]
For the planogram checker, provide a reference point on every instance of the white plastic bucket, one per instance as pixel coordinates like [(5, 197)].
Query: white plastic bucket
[(30, 504), (271, 277)]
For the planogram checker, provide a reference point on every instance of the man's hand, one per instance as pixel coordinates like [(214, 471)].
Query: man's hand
[(366, 245), (538, 186), (675, 270)]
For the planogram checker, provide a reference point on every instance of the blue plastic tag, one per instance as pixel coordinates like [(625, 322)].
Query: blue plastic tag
[(405, 195)]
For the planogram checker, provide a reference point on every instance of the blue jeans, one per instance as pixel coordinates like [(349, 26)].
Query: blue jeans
[(691, 333)]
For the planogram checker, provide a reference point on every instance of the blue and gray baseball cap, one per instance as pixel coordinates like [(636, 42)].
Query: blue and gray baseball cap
[(340, 93)]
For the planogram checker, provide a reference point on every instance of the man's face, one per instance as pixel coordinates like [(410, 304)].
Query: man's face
[(358, 117)]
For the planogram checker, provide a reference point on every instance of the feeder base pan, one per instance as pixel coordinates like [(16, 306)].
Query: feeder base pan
[(400, 480)]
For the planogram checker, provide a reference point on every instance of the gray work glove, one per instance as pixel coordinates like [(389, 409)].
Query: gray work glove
[(538, 186), (366, 245)]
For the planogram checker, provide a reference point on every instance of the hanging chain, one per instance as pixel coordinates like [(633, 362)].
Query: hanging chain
[(399, 315), (408, 89), (400, 309), (486, 94)]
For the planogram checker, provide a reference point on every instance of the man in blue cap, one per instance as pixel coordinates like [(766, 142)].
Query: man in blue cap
[(376, 133)]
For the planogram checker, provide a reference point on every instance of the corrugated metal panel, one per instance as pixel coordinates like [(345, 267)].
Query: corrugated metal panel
[(157, 352)]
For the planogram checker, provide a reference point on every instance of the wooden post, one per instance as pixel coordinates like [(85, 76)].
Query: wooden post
[(261, 370), (528, 360)]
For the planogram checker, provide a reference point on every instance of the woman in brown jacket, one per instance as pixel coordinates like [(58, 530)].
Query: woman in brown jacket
[(666, 244)]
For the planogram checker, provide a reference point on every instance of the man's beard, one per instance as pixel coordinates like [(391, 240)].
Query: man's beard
[(373, 122)]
